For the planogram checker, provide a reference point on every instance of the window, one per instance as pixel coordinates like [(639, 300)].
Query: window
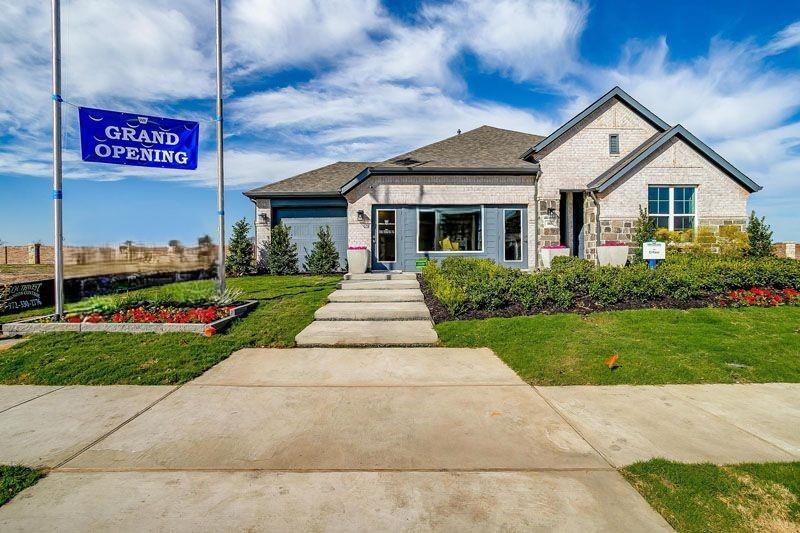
[(672, 208), (513, 234), (387, 235), (613, 143), (450, 229)]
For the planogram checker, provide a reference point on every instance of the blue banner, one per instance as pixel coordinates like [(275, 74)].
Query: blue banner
[(127, 139)]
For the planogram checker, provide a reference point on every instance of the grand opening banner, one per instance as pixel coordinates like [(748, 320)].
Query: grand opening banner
[(140, 140)]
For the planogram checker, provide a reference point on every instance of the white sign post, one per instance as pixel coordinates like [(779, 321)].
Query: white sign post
[(653, 251)]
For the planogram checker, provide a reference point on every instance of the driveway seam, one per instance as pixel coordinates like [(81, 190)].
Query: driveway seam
[(358, 386), (728, 422), (34, 398), (114, 430), (578, 431), (70, 470)]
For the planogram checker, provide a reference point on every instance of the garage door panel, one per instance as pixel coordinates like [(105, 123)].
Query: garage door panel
[(304, 224)]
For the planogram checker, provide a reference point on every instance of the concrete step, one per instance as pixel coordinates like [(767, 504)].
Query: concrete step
[(372, 276), (356, 285), (368, 333), (381, 295), (373, 311)]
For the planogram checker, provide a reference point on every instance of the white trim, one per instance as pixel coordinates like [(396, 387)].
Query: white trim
[(671, 212), (436, 222), (521, 236), (378, 236)]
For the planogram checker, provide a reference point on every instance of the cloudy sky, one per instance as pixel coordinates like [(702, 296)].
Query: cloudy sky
[(311, 82)]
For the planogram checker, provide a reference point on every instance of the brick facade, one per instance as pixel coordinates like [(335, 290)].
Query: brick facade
[(263, 229)]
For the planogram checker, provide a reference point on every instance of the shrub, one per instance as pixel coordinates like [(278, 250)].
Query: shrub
[(462, 284), (240, 260), (323, 258), (759, 236), (281, 252)]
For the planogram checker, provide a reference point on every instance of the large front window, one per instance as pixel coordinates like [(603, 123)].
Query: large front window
[(672, 208), (450, 229)]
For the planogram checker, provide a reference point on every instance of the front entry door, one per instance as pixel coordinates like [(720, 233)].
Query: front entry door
[(386, 238)]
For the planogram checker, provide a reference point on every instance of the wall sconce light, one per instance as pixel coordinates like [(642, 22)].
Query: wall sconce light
[(551, 218), (361, 216), (264, 218)]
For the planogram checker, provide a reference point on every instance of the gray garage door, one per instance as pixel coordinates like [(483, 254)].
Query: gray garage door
[(304, 223)]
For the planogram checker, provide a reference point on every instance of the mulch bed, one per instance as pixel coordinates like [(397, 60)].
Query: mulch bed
[(582, 307)]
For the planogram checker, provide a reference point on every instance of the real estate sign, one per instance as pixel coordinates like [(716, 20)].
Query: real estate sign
[(654, 250), (139, 140)]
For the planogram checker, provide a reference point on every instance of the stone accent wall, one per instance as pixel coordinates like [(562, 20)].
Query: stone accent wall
[(263, 228), (581, 153), (787, 250), (435, 190), (589, 228), (549, 225)]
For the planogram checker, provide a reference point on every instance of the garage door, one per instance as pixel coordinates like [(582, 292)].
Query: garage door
[(304, 223)]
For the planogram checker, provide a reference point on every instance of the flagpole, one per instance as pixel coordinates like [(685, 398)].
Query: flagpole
[(220, 173), (58, 238)]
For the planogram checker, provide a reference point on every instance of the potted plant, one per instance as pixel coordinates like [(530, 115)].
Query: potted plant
[(356, 259), (612, 253), (552, 250)]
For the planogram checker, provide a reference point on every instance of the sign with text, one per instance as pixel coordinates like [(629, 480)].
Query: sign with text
[(138, 140), (654, 250)]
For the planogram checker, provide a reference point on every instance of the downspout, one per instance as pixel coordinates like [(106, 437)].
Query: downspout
[(597, 226), (536, 220)]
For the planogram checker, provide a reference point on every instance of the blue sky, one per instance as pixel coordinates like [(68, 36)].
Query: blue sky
[(308, 83)]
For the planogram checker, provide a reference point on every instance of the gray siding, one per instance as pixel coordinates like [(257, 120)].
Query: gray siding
[(493, 237)]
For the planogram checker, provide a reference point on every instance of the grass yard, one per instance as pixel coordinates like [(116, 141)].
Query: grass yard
[(14, 479), (706, 497), (655, 346), (286, 306)]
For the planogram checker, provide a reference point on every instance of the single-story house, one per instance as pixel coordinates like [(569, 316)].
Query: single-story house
[(505, 195)]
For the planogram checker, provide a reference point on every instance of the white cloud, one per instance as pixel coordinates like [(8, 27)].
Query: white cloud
[(787, 38), (268, 34), (531, 40)]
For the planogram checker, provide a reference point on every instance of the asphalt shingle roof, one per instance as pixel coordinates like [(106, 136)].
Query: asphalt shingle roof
[(323, 180), (483, 147)]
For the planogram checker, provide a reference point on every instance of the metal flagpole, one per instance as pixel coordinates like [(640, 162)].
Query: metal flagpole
[(220, 174), (57, 194)]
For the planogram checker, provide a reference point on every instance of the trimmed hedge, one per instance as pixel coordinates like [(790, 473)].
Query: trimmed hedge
[(464, 284)]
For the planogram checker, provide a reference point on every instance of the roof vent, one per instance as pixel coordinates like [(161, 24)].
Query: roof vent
[(406, 162)]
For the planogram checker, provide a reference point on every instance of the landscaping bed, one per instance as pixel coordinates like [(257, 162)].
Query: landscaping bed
[(197, 310), (466, 288), (15, 479)]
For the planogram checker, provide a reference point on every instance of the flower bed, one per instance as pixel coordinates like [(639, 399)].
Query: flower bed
[(475, 288), (144, 318), (760, 297)]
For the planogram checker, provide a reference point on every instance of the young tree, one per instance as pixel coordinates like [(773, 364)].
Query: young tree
[(760, 235), (323, 258), (644, 228), (240, 261), (281, 252)]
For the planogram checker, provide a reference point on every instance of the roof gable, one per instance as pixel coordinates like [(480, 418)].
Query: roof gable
[(616, 92), (632, 160)]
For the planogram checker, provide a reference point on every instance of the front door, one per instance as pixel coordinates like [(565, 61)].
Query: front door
[(385, 240)]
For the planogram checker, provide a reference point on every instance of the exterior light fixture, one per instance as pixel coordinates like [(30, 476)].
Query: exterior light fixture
[(361, 215)]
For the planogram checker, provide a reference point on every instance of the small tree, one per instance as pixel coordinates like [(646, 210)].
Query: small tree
[(281, 252), (644, 228), (240, 251), (323, 258), (760, 236)]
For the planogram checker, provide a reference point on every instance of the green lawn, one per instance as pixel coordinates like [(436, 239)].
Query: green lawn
[(705, 497), (655, 346), (14, 479), (286, 306)]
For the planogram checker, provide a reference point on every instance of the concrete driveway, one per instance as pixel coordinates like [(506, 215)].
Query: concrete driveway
[(326, 440)]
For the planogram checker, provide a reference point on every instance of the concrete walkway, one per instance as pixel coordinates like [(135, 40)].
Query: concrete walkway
[(319, 439), (372, 310)]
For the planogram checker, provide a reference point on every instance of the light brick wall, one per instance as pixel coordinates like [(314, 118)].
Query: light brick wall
[(581, 154), (676, 163), (263, 228), (435, 190)]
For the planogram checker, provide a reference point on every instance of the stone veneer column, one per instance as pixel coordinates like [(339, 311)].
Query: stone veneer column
[(263, 228)]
